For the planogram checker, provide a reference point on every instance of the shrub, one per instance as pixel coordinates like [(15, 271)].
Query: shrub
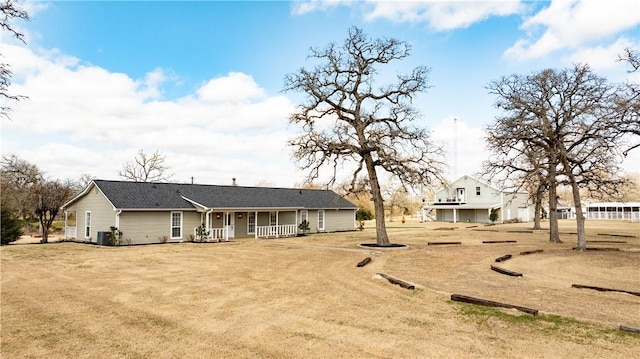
[(304, 226), (363, 214), (493, 216), (11, 227)]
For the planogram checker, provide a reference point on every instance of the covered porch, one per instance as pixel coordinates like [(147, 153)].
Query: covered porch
[(222, 224), (466, 212)]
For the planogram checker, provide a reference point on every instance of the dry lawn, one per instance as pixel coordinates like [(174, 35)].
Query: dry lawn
[(305, 297)]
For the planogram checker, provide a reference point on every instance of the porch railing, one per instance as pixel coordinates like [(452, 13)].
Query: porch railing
[(218, 234), (70, 232), (215, 234), (282, 230)]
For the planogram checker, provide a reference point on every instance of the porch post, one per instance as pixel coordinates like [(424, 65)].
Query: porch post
[(455, 215), (225, 223), (65, 224), (277, 224), (255, 225)]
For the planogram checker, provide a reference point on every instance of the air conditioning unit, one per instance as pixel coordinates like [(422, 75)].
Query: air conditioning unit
[(104, 238)]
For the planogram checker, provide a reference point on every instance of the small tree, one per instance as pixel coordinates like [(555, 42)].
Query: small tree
[(116, 236), (202, 233), (493, 215), (50, 196), (304, 226), (146, 168), (349, 118)]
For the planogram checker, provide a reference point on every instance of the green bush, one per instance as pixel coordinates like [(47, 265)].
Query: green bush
[(363, 215), (493, 216), (11, 227)]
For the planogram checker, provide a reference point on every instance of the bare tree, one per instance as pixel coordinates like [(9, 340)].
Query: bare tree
[(629, 103), (10, 10), (146, 168), (569, 116), (50, 196), (348, 118), (515, 165), (18, 179)]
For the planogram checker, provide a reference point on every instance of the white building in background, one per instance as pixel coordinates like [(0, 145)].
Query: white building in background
[(471, 200), (614, 210)]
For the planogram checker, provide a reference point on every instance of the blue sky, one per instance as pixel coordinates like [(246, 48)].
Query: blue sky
[(201, 81)]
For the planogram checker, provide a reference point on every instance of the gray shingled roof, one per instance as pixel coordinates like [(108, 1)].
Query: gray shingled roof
[(145, 195)]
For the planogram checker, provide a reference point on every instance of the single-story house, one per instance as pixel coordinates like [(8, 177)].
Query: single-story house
[(157, 212), (470, 200)]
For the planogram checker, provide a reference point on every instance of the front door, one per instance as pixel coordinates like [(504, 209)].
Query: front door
[(461, 195), (230, 224)]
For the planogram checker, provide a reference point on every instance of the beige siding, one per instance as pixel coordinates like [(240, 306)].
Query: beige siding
[(339, 220), (334, 220), (149, 227), (190, 221), (103, 216), (287, 217), (512, 204), (241, 225), (470, 186)]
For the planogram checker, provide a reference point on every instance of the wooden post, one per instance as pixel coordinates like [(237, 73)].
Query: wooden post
[(399, 282), (364, 262), (489, 303), (506, 271), (503, 258)]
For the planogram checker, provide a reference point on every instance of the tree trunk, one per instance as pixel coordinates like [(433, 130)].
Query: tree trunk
[(537, 213), (382, 239), (577, 203), (554, 234)]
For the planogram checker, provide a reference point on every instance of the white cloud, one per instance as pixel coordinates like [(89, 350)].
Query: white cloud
[(573, 24), (439, 15), (603, 57), (306, 7), (442, 15), (234, 87), (85, 119)]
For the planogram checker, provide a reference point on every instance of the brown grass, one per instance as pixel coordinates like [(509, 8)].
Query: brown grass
[(305, 297)]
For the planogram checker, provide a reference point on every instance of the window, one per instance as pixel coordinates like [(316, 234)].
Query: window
[(273, 218), (304, 216), (87, 224), (176, 225), (477, 191), (321, 220), (251, 223)]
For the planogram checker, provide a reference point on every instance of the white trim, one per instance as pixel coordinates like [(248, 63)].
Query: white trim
[(171, 227), (87, 236), (321, 228), (255, 222)]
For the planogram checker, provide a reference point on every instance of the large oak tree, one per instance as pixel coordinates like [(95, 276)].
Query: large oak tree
[(570, 117), (348, 119)]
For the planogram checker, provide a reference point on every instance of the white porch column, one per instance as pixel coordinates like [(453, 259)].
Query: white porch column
[(277, 224), (225, 225), (455, 215), (255, 225), (66, 214)]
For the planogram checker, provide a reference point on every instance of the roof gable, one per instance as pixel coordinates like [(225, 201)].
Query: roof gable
[(150, 196)]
